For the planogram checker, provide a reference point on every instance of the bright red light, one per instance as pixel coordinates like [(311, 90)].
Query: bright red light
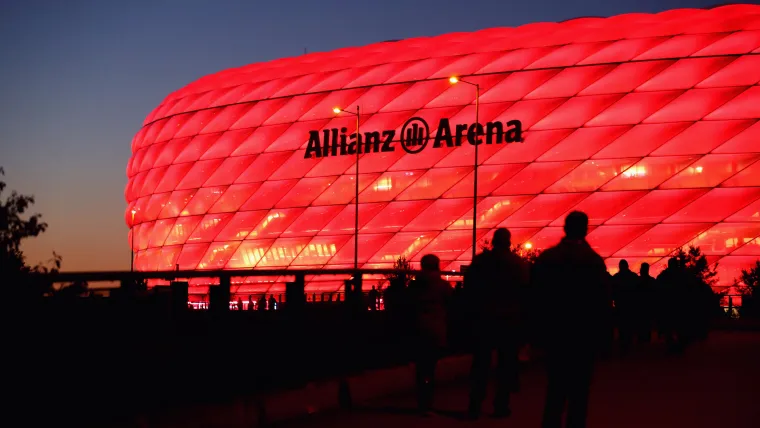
[(647, 122)]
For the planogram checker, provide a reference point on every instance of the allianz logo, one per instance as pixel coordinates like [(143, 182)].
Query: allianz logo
[(415, 135)]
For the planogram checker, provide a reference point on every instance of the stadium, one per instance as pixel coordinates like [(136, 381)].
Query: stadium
[(646, 122)]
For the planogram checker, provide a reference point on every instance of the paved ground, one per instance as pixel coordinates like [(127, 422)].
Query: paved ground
[(715, 384)]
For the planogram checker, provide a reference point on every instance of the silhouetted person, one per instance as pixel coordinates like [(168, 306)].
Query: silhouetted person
[(250, 302), (625, 284), (372, 297), (428, 296), (707, 307), (607, 323), (272, 303), (698, 303), (240, 303), (458, 288), (495, 283), (645, 302), (670, 283), (262, 304), (570, 278), (457, 317)]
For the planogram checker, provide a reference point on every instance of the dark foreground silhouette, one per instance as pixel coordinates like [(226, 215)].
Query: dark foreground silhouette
[(90, 361), (647, 388)]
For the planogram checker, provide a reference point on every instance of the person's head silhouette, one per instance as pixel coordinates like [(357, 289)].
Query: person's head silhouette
[(502, 239), (644, 270), (430, 262), (623, 265), (672, 263), (576, 225)]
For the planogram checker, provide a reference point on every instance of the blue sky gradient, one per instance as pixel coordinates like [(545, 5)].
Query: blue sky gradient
[(77, 78)]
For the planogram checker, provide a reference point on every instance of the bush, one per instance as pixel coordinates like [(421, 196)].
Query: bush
[(750, 291), (701, 274)]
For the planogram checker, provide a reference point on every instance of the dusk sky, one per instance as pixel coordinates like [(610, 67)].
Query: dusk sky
[(77, 78)]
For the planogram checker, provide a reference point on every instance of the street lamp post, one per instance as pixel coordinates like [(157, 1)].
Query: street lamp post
[(454, 80), (337, 110), (132, 244)]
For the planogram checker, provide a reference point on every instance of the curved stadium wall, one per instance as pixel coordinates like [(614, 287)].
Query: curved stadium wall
[(648, 123)]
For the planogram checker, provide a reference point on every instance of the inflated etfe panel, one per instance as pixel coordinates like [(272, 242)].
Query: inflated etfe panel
[(648, 123)]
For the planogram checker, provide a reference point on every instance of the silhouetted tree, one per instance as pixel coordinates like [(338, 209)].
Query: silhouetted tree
[(528, 254), (394, 294), (701, 273), (697, 265), (750, 290), (402, 263), (15, 226)]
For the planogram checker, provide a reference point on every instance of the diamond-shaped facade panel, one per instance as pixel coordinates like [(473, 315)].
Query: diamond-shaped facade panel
[(649, 123)]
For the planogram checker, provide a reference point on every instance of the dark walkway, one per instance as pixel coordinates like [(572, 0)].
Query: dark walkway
[(715, 384)]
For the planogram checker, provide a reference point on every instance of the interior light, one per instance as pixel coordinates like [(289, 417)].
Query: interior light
[(453, 80), (635, 171), (699, 170), (336, 110), (528, 245)]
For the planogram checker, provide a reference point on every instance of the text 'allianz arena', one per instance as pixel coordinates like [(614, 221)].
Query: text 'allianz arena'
[(648, 123)]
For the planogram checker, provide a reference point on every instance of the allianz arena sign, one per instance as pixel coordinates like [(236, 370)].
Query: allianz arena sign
[(413, 138)]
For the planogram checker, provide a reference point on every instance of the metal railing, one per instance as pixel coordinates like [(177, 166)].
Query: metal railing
[(353, 278), (232, 283)]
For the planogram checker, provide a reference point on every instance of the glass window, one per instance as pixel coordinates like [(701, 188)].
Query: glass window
[(607, 239), (492, 211), (649, 173), (655, 206), (726, 237), (662, 239), (542, 210), (394, 216), (249, 253), (576, 112), (218, 254), (710, 171), (715, 205), (641, 140), (191, 255), (439, 215), (536, 177), (433, 183), (321, 249), (583, 143), (591, 175)]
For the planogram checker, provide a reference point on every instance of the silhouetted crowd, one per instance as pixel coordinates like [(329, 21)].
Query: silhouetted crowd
[(565, 303)]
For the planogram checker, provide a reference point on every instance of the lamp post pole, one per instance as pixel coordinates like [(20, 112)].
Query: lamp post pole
[(356, 211), (337, 110), (132, 244), (475, 175), (454, 80)]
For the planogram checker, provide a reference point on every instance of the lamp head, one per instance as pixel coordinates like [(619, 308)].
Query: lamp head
[(453, 80), (528, 245), (337, 110)]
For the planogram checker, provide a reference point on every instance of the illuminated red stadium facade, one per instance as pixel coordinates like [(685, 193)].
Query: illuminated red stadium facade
[(648, 123)]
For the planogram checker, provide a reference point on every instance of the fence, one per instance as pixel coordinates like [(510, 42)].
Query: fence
[(138, 349), (203, 286)]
